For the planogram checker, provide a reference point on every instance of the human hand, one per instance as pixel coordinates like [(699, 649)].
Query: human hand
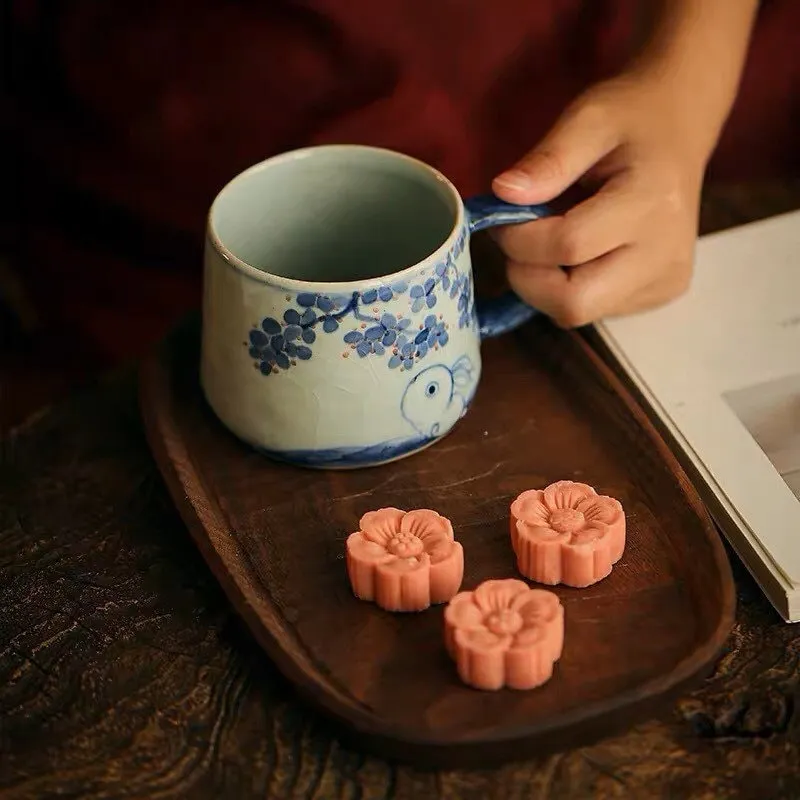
[(630, 246)]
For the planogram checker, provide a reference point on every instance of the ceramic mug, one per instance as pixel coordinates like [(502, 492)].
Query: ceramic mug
[(340, 327)]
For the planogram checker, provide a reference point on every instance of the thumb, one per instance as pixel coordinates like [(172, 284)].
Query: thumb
[(582, 136)]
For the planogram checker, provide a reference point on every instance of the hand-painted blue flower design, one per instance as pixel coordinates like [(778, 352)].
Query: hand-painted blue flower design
[(274, 347), (431, 335), (384, 293), (422, 295), (277, 345), (466, 303), (376, 338)]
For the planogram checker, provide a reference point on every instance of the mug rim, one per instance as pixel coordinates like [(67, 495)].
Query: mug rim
[(342, 287)]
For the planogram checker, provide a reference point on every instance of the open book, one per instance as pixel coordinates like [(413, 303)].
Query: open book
[(720, 371)]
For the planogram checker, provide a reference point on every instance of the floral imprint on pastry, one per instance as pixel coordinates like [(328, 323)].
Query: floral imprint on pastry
[(404, 561), (567, 533), (504, 634)]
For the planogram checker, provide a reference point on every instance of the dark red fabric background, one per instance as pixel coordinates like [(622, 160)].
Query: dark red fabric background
[(127, 117)]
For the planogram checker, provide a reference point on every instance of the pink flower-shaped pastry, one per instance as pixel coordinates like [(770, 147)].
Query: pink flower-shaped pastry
[(404, 561), (567, 533), (504, 634)]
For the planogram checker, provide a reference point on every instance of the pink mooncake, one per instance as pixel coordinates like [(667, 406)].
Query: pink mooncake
[(504, 634), (404, 560), (567, 533)]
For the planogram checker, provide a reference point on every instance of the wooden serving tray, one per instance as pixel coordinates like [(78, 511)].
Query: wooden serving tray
[(546, 409)]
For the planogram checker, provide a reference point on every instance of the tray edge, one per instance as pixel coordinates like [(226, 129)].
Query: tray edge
[(398, 745)]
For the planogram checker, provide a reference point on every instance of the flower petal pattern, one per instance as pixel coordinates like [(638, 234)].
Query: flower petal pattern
[(566, 494), (530, 507), (536, 605), (607, 511), (482, 639), (461, 614), (566, 533), (492, 596), (434, 530), (379, 526), (365, 550), (424, 521), (404, 561), (504, 634)]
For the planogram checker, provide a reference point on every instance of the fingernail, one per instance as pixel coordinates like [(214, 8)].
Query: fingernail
[(514, 179)]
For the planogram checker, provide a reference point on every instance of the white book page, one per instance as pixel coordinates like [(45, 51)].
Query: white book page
[(723, 364), (784, 595)]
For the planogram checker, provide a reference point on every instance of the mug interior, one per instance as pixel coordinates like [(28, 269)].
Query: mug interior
[(335, 214)]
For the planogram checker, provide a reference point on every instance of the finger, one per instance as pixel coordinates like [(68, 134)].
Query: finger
[(607, 220), (614, 283), (541, 286), (580, 138)]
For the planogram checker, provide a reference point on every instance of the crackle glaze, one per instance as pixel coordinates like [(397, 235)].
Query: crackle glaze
[(336, 332)]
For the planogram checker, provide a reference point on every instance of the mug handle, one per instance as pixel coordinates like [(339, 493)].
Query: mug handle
[(501, 314)]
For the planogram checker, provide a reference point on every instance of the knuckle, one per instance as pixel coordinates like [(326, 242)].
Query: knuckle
[(570, 244)]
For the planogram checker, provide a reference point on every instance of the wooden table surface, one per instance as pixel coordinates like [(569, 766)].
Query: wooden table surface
[(123, 672)]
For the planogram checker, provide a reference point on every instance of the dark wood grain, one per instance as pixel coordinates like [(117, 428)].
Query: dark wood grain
[(546, 410), (124, 673)]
